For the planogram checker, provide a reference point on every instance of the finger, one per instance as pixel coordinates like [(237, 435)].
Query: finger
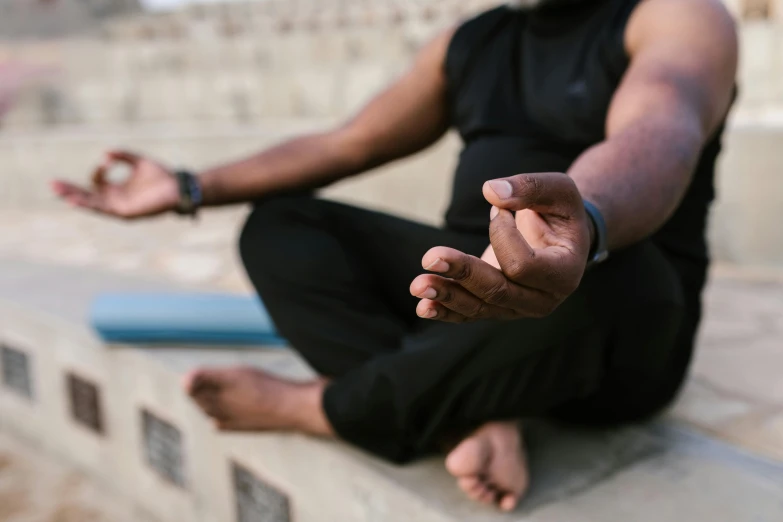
[(550, 192), (480, 279), (429, 309), (123, 156), (80, 197), (65, 188), (110, 159), (71, 193), (100, 172), (89, 201), (456, 298), (552, 269)]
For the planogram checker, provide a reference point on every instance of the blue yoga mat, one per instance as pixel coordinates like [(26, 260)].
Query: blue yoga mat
[(186, 318)]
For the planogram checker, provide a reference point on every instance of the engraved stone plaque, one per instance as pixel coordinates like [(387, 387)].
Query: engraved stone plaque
[(16, 371), (85, 403), (163, 448), (257, 501)]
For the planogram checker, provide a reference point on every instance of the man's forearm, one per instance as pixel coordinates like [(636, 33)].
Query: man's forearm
[(638, 177), (301, 163)]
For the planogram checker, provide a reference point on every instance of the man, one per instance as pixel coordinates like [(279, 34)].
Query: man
[(598, 122)]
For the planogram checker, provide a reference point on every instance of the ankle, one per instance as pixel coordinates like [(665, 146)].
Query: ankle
[(308, 411)]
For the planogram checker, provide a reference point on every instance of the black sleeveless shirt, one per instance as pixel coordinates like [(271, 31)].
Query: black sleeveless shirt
[(529, 91)]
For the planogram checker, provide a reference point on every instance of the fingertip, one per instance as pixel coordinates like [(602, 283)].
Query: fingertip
[(501, 187), (427, 309), (438, 265), (417, 285), (437, 259), (489, 194), (503, 217)]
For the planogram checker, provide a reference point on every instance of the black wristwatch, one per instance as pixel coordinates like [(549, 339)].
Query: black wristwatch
[(598, 251), (190, 195)]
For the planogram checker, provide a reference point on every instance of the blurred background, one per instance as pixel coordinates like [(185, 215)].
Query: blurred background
[(197, 83)]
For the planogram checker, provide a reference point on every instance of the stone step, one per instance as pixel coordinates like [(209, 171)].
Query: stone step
[(118, 413)]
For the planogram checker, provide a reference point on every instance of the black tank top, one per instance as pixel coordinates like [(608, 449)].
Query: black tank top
[(529, 92)]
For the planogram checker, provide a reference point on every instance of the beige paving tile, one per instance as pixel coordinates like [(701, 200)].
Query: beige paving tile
[(757, 428), (704, 406), (760, 432), (751, 372)]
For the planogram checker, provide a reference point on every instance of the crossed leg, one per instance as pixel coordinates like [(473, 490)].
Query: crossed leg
[(335, 281)]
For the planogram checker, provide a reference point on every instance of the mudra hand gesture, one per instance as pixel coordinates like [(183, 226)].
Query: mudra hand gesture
[(535, 260), (149, 190)]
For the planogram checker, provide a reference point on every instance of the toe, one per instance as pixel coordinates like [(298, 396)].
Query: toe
[(190, 381), (228, 425), (198, 380), (474, 488), (508, 502), (211, 379), (208, 401), (469, 458), (470, 485), (487, 496)]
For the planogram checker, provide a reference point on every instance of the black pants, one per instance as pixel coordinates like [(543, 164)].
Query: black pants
[(336, 279)]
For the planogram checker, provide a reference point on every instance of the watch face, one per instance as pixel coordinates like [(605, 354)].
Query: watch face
[(189, 193)]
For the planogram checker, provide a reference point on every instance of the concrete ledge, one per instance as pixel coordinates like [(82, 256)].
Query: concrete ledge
[(640, 473)]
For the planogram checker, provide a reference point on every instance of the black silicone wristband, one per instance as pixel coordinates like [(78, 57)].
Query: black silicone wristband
[(598, 250), (190, 196)]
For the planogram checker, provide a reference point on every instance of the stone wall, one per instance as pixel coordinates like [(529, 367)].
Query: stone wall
[(35, 19), (247, 62), (232, 62)]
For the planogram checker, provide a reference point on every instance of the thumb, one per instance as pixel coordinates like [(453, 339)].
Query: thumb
[(111, 158), (547, 193)]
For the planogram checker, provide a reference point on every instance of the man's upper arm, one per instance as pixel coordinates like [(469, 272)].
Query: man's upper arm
[(683, 67), (408, 116)]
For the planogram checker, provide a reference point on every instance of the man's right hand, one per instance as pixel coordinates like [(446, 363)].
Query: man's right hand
[(149, 190)]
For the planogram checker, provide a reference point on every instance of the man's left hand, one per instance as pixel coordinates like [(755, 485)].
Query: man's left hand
[(539, 256)]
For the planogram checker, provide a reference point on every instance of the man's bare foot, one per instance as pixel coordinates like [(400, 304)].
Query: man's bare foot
[(491, 465), (246, 399)]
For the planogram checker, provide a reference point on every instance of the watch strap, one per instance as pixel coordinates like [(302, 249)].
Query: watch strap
[(190, 195), (598, 250)]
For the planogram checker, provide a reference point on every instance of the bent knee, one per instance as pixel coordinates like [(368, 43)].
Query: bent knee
[(289, 239), (268, 227), (267, 230)]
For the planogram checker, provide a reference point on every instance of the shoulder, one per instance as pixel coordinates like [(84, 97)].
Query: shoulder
[(482, 25), (471, 35), (680, 20)]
